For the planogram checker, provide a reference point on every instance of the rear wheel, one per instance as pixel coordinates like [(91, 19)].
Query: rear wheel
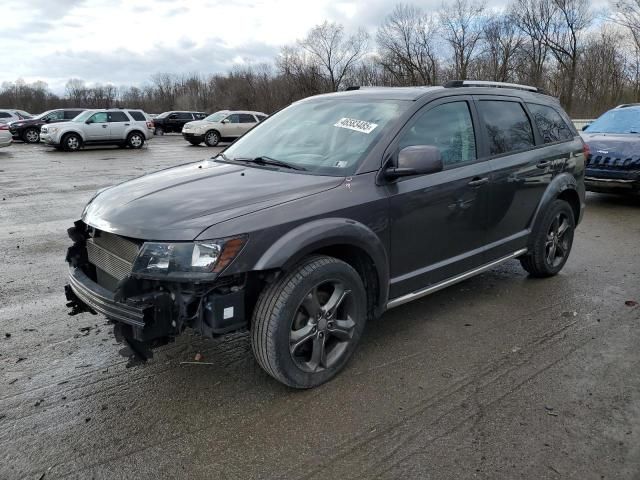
[(307, 324), (212, 138), (135, 140), (71, 142), (551, 242), (31, 135), (159, 131)]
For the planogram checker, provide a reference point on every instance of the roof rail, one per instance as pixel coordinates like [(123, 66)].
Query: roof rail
[(625, 105), (482, 83)]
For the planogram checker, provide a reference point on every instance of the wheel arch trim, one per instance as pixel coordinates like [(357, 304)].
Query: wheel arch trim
[(316, 235)]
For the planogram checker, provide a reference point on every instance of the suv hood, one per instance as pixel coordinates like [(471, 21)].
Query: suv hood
[(613, 145), (61, 124), (180, 202)]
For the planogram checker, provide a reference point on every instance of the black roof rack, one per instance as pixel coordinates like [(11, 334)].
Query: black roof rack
[(483, 83)]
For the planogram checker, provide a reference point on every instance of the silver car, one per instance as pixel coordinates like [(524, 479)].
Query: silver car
[(5, 135), (8, 116), (125, 128), (222, 125)]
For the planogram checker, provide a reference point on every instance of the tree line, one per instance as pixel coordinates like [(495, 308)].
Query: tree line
[(589, 60)]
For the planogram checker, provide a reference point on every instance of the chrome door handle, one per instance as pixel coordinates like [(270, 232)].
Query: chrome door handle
[(476, 182), (104, 126), (127, 124)]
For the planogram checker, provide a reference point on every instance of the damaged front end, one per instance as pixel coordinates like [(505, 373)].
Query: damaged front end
[(152, 292)]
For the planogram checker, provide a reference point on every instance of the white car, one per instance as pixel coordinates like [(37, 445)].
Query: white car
[(125, 128), (222, 125), (5, 135), (8, 116)]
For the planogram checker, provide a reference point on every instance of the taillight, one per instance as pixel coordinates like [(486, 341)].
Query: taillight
[(4, 126), (150, 124)]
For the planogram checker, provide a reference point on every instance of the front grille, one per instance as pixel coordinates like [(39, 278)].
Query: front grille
[(112, 254), (604, 162)]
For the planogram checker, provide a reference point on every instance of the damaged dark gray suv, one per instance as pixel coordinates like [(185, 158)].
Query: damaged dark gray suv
[(328, 213)]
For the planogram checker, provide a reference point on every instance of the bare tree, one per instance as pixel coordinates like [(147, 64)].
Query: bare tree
[(627, 13), (503, 42), (335, 54), (461, 21), (406, 44)]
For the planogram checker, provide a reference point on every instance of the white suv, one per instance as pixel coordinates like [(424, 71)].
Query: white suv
[(125, 128), (222, 125)]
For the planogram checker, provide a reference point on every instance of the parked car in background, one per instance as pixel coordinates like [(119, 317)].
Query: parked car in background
[(28, 130), (337, 208), (613, 165), (169, 122), (5, 135), (8, 116), (220, 126), (125, 128)]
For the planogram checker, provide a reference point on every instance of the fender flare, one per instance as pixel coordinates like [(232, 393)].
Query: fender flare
[(327, 232), (561, 183)]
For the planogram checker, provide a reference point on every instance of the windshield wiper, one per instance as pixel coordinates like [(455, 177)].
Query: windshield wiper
[(270, 161)]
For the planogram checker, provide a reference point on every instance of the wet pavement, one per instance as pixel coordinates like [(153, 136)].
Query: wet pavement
[(499, 377)]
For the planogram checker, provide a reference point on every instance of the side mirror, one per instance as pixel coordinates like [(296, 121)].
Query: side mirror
[(226, 120), (585, 127), (47, 120), (416, 160), (88, 122)]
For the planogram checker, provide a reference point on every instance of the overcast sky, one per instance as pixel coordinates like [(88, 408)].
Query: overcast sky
[(126, 41)]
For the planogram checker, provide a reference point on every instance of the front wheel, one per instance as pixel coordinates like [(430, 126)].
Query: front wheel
[(71, 142), (307, 324), (212, 138), (135, 140), (551, 241), (31, 135)]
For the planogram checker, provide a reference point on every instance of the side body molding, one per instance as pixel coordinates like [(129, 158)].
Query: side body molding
[(329, 232)]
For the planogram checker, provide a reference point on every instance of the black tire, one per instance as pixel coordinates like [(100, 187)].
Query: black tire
[(194, 142), (212, 138), (298, 316), (31, 135), (71, 142), (551, 241), (135, 140), (159, 131)]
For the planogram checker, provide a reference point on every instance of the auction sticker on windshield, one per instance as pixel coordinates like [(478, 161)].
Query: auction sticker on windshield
[(361, 126)]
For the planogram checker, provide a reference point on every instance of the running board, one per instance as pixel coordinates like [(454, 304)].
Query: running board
[(396, 302)]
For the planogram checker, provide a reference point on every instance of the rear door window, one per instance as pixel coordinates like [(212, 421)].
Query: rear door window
[(551, 125), (184, 116), (507, 126), (449, 127), (71, 114), (137, 115), (246, 118), (118, 117)]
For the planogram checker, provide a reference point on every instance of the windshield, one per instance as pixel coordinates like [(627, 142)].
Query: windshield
[(216, 117), (623, 120), (323, 136), (83, 116), (44, 114), (163, 114), (24, 115)]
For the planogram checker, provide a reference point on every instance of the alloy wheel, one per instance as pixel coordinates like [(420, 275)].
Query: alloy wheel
[(32, 136), (322, 327), (558, 240), (135, 141), (73, 143)]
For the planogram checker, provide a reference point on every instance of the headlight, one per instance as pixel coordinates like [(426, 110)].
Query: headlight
[(52, 129), (190, 260)]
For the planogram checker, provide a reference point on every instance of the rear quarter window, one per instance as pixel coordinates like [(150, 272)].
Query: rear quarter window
[(551, 125), (137, 115), (507, 126)]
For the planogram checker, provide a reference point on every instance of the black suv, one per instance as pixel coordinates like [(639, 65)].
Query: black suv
[(613, 165), (172, 122), (29, 130), (326, 214)]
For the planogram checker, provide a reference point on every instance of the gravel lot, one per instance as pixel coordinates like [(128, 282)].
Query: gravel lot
[(500, 377)]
